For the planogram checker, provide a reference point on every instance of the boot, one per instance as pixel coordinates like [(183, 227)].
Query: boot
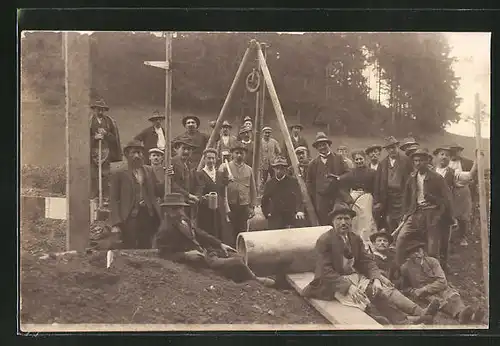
[(431, 309), (479, 316), (428, 314), (465, 316), (268, 282)]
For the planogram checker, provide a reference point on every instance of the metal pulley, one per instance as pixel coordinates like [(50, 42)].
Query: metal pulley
[(253, 81)]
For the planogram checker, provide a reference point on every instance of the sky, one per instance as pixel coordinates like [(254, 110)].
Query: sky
[(472, 50)]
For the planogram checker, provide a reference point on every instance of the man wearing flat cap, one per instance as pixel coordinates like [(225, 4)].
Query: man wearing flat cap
[(199, 139), (226, 140), (303, 158), (104, 130), (322, 178), (427, 208), (282, 201), (241, 191), (247, 142), (347, 272), (135, 213), (390, 180), (153, 136), (270, 150), (156, 158), (297, 140)]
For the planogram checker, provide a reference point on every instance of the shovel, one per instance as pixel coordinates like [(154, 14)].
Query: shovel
[(102, 214)]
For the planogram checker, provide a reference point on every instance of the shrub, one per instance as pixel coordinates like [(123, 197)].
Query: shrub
[(49, 178)]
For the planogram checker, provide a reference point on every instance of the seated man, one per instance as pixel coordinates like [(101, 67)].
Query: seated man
[(345, 271), (423, 277), (178, 240), (384, 255)]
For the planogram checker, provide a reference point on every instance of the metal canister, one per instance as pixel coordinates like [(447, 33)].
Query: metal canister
[(212, 200)]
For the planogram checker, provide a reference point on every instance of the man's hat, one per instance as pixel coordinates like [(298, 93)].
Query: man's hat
[(174, 200), (227, 124), (412, 246), (300, 148), (421, 152), (247, 118), (297, 125), (321, 137), (133, 144), (438, 149), (156, 150), (245, 129), (456, 146), (239, 146), (212, 123), (184, 140), (156, 115), (372, 148), (381, 233), (210, 150), (267, 128), (279, 161), (407, 142), (390, 141), (341, 208), (410, 151), (195, 118), (100, 104)]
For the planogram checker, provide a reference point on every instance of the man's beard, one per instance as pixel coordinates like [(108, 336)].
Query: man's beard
[(135, 162)]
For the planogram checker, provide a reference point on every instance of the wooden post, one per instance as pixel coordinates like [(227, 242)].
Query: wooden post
[(259, 122), (77, 89), (286, 135), (168, 111), (225, 106), (482, 201)]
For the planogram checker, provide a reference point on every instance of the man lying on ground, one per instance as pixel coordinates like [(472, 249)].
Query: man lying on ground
[(178, 240), (345, 271), (423, 278)]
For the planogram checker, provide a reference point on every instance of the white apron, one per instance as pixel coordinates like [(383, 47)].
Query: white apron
[(363, 224)]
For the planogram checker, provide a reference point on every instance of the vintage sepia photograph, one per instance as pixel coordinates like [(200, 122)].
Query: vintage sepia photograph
[(185, 181)]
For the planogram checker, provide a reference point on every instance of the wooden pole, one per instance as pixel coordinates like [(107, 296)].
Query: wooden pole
[(482, 201), (288, 141), (77, 93), (168, 111), (257, 140), (229, 97)]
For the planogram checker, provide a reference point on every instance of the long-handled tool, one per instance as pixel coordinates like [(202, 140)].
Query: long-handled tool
[(99, 168)]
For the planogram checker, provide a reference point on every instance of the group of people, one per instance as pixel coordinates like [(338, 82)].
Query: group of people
[(392, 219)]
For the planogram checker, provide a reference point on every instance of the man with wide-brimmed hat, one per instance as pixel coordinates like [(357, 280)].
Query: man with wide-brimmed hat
[(282, 201), (390, 180), (241, 191), (383, 254), (199, 139), (322, 178), (153, 136), (270, 150), (135, 213), (464, 193), (347, 272), (226, 140), (104, 130), (183, 175), (246, 140), (179, 240), (427, 208), (211, 186), (373, 152), (424, 278), (409, 145)]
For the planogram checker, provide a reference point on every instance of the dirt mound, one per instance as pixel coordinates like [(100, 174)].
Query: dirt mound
[(80, 289)]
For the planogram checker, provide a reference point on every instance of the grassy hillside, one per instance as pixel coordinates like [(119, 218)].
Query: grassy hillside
[(43, 132)]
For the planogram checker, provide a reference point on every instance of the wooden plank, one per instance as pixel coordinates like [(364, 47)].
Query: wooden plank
[(333, 311), (77, 85)]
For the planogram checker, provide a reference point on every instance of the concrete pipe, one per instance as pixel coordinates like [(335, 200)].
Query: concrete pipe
[(283, 251)]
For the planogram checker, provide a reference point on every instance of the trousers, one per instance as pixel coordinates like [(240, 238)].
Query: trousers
[(281, 220), (239, 218), (94, 179), (231, 267), (422, 225)]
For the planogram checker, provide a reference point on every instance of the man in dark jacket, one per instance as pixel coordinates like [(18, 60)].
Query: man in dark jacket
[(282, 201), (154, 135), (103, 129), (322, 178), (384, 255), (297, 140), (392, 173), (426, 208), (303, 158), (178, 240), (135, 213), (199, 139), (345, 271)]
